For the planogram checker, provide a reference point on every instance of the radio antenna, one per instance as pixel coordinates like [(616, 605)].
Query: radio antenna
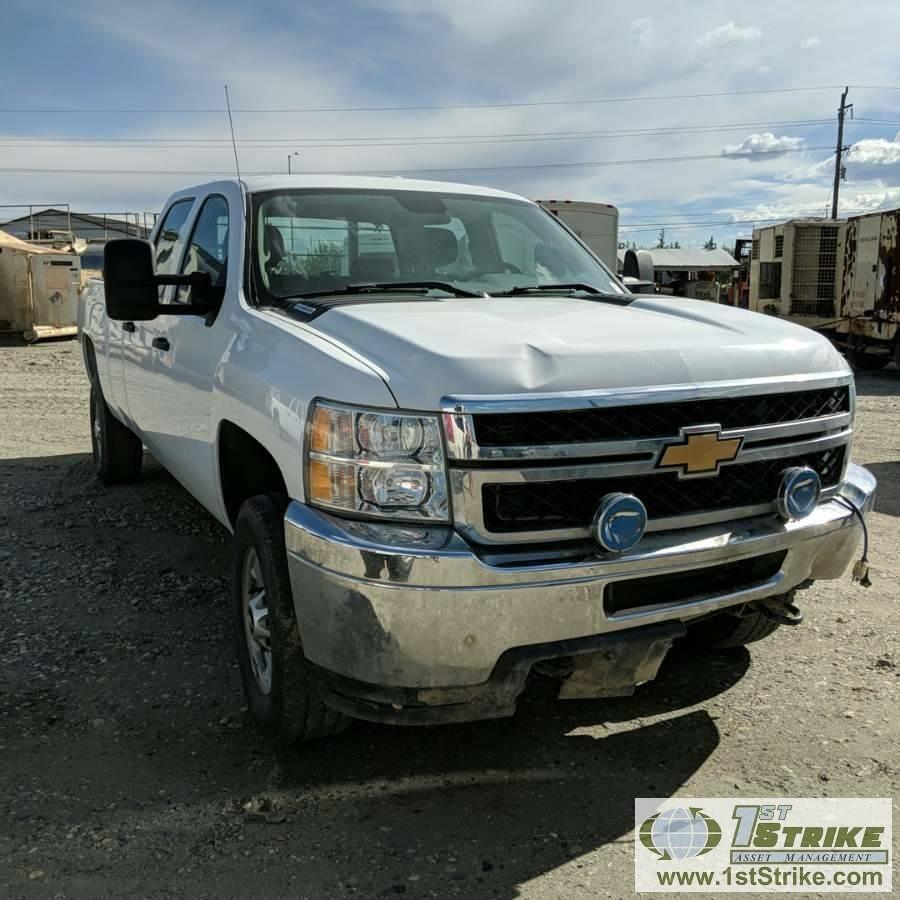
[(237, 164)]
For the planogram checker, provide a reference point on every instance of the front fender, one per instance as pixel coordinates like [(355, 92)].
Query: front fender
[(270, 373)]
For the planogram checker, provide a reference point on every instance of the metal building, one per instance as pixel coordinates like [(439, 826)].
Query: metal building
[(682, 270), (60, 225)]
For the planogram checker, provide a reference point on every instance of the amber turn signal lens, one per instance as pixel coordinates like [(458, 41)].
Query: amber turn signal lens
[(333, 483), (319, 480), (320, 434)]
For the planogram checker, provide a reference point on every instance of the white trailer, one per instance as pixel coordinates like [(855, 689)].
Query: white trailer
[(597, 224), (796, 271)]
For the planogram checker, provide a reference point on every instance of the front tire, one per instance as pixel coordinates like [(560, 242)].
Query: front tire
[(281, 692), (117, 451), (725, 631)]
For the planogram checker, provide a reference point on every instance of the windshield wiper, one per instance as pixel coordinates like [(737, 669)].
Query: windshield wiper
[(528, 288), (575, 286), (387, 287)]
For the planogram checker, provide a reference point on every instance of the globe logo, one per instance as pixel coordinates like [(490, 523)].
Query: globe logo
[(680, 833)]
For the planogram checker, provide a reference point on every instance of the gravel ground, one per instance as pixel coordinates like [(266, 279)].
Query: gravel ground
[(129, 766)]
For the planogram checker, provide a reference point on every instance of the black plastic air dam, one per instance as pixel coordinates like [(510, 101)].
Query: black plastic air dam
[(684, 587)]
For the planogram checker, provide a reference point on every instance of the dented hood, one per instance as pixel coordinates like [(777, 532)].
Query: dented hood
[(522, 345)]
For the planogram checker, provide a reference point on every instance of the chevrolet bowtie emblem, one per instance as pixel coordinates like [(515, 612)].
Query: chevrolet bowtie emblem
[(700, 451)]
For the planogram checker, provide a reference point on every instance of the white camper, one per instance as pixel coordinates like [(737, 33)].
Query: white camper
[(597, 224)]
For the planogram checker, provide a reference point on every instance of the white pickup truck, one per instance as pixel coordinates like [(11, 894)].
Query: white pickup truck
[(453, 451)]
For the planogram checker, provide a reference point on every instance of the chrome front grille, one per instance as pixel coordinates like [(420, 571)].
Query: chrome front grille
[(656, 419), (572, 504), (532, 468)]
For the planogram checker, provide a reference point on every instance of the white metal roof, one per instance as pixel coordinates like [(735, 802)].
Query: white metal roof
[(808, 220), (691, 259), (818, 221), (255, 183)]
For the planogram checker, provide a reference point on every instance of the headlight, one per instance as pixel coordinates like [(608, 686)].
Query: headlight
[(384, 464)]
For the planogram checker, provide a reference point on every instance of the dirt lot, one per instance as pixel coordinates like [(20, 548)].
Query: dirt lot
[(128, 760)]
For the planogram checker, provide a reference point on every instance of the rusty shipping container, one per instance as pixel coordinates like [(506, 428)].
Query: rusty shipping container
[(870, 295)]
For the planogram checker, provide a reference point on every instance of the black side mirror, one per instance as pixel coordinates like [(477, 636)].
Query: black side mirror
[(129, 282), (131, 285)]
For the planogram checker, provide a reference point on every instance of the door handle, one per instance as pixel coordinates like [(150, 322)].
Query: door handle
[(129, 327), (160, 343)]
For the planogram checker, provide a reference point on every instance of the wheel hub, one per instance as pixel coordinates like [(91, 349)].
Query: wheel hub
[(256, 621)]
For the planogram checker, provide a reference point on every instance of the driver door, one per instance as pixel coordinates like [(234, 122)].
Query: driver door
[(138, 338)]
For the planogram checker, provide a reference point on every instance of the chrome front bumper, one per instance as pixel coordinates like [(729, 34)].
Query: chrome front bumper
[(415, 608)]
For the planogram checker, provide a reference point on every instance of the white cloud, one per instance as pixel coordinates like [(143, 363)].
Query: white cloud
[(730, 33), (874, 153), (763, 146), (882, 197), (810, 42), (869, 160), (643, 31), (814, 199)]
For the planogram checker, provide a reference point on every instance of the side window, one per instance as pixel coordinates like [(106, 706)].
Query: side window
[(170, 237), (208, 247)]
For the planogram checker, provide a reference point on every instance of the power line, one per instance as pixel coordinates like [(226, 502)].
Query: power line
[(425, 107), (859, 119), (679, 129), (429, 141), (421, 140), (503, 168)]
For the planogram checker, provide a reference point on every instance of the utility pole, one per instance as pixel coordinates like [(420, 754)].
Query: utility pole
[(295, 153), (839, 151)]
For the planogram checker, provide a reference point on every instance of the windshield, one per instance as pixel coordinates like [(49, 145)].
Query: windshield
[(309, 241)]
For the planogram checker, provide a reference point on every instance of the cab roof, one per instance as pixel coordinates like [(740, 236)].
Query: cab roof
[(259, 183)]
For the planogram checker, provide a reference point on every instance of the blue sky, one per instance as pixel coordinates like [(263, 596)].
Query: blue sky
[(109, 60)]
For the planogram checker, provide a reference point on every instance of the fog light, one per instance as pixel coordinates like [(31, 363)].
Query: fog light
[(619, 522), (798, 494)]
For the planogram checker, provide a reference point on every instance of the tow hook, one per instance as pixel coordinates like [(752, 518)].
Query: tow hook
[(781, 610)]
